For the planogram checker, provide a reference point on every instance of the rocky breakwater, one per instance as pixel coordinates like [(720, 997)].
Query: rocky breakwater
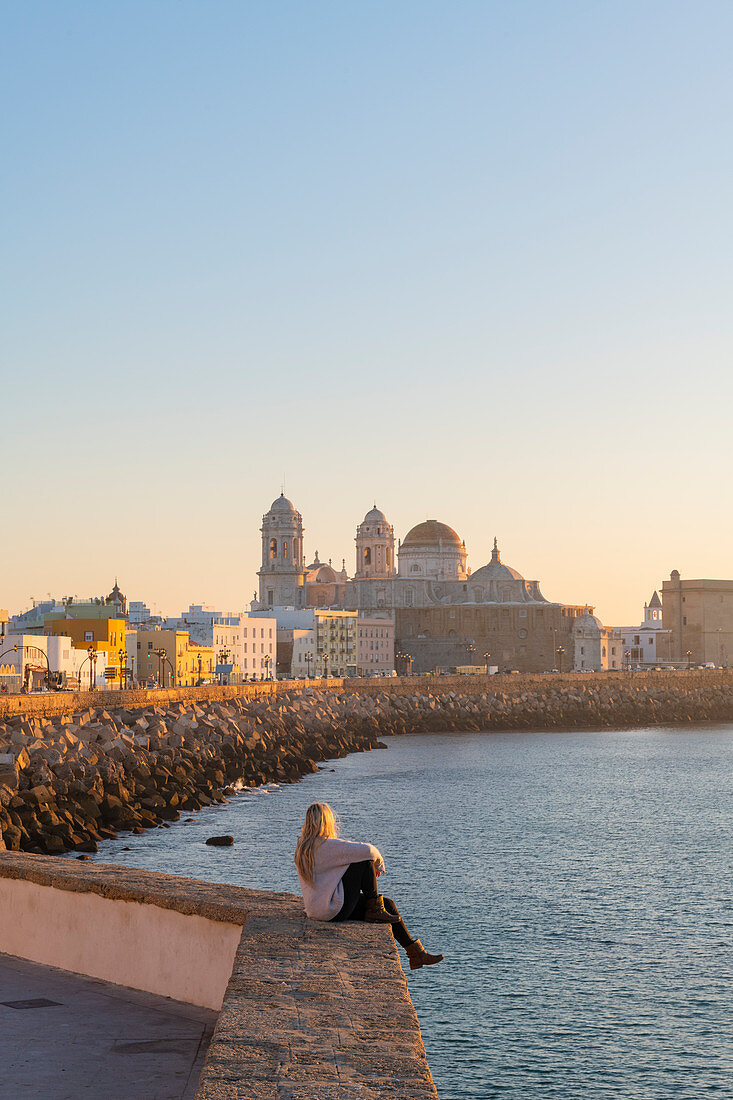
[(602, 703), (69, 782)]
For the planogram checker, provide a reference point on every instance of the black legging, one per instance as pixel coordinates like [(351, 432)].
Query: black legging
[(360, 884)]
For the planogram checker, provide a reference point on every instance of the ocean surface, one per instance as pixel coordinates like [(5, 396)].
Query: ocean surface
[(580, 886)]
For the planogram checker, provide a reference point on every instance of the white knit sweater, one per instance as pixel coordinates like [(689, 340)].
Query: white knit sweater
[(324, 897)]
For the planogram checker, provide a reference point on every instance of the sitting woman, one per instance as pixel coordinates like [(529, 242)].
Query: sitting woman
[(338, 880)]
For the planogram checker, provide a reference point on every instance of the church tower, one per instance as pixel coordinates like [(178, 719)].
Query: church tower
[(374, 547), (282, 574)]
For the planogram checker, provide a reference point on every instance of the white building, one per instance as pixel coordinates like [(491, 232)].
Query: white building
[(598, 648), (641, 644), (246, 643), (304, 652), (28, 658)]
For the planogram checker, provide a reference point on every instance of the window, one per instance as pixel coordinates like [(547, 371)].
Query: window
[(409, 597), (285, 548), (684, 620), (523, 613), (273, 548), (367, 556)]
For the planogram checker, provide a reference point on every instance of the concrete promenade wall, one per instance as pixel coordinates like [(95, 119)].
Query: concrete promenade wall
[(309, 1009), (53, 704), (90, 921)]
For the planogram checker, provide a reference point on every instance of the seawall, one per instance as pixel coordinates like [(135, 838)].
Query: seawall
[(305, 1009), (68, 781)]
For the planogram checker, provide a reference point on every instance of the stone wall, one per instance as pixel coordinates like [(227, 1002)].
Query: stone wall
[(309, 1009)]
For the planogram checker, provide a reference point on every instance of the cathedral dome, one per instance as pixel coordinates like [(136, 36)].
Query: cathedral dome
[(430, 533), (375, 515), (283, 506), (588, 622), (496, 570)]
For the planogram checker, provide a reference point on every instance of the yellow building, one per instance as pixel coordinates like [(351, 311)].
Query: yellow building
[(169, 657), (103, 635)]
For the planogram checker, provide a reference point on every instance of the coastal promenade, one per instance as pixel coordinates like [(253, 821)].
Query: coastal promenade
[(304, 1010)]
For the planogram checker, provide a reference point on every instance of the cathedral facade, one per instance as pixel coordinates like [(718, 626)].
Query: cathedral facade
[(445, 615)]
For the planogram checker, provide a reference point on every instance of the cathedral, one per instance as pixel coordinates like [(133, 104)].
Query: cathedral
[(445, 615)]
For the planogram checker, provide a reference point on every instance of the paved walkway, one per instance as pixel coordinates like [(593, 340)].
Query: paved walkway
[(65, 1037)]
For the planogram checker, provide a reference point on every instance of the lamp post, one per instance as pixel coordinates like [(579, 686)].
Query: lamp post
[(308, 659), (688, 655), (123, 669), (627, 655), (560, 652), (268, 665), (487, 657), (92, 654), (470, 649), (162, 658), (223, 658), (36, 649), (325, 666), (199, 658)]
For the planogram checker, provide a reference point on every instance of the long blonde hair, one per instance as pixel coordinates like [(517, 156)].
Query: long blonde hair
[(320, 824)]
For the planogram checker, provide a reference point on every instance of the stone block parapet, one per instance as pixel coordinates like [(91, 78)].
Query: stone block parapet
[(316, 1010), (212, 900), (307, 1009)]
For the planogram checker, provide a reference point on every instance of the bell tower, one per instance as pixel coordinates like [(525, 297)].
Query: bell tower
[(281, 574), (374, 547)]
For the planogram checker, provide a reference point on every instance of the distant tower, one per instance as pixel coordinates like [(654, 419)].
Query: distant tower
[(374, 547), (653, 611), (282, 574)]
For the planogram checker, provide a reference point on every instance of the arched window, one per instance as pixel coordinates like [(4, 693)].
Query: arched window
[(273, 548), (409, 597), (285, 548), (367, 556)]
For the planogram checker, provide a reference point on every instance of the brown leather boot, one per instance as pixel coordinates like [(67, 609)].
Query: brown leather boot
[(375, 913), (418, 956)]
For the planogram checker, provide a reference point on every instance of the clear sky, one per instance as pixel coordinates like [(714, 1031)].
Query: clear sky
[(469, 260)]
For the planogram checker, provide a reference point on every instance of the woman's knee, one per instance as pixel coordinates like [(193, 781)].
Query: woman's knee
[(389, 905)]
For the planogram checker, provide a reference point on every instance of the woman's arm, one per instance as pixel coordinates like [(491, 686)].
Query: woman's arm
[(334, 852)]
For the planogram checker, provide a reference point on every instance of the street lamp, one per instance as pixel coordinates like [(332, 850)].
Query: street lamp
[(470, 649), (268, 664), (627, 655), (487, 657), (123, 669), (162, 656), (688, 655), (92, 654), (308, 659), (223, 660), (560, 651)]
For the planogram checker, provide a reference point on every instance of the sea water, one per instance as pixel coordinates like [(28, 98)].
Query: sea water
[(579, 885)]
